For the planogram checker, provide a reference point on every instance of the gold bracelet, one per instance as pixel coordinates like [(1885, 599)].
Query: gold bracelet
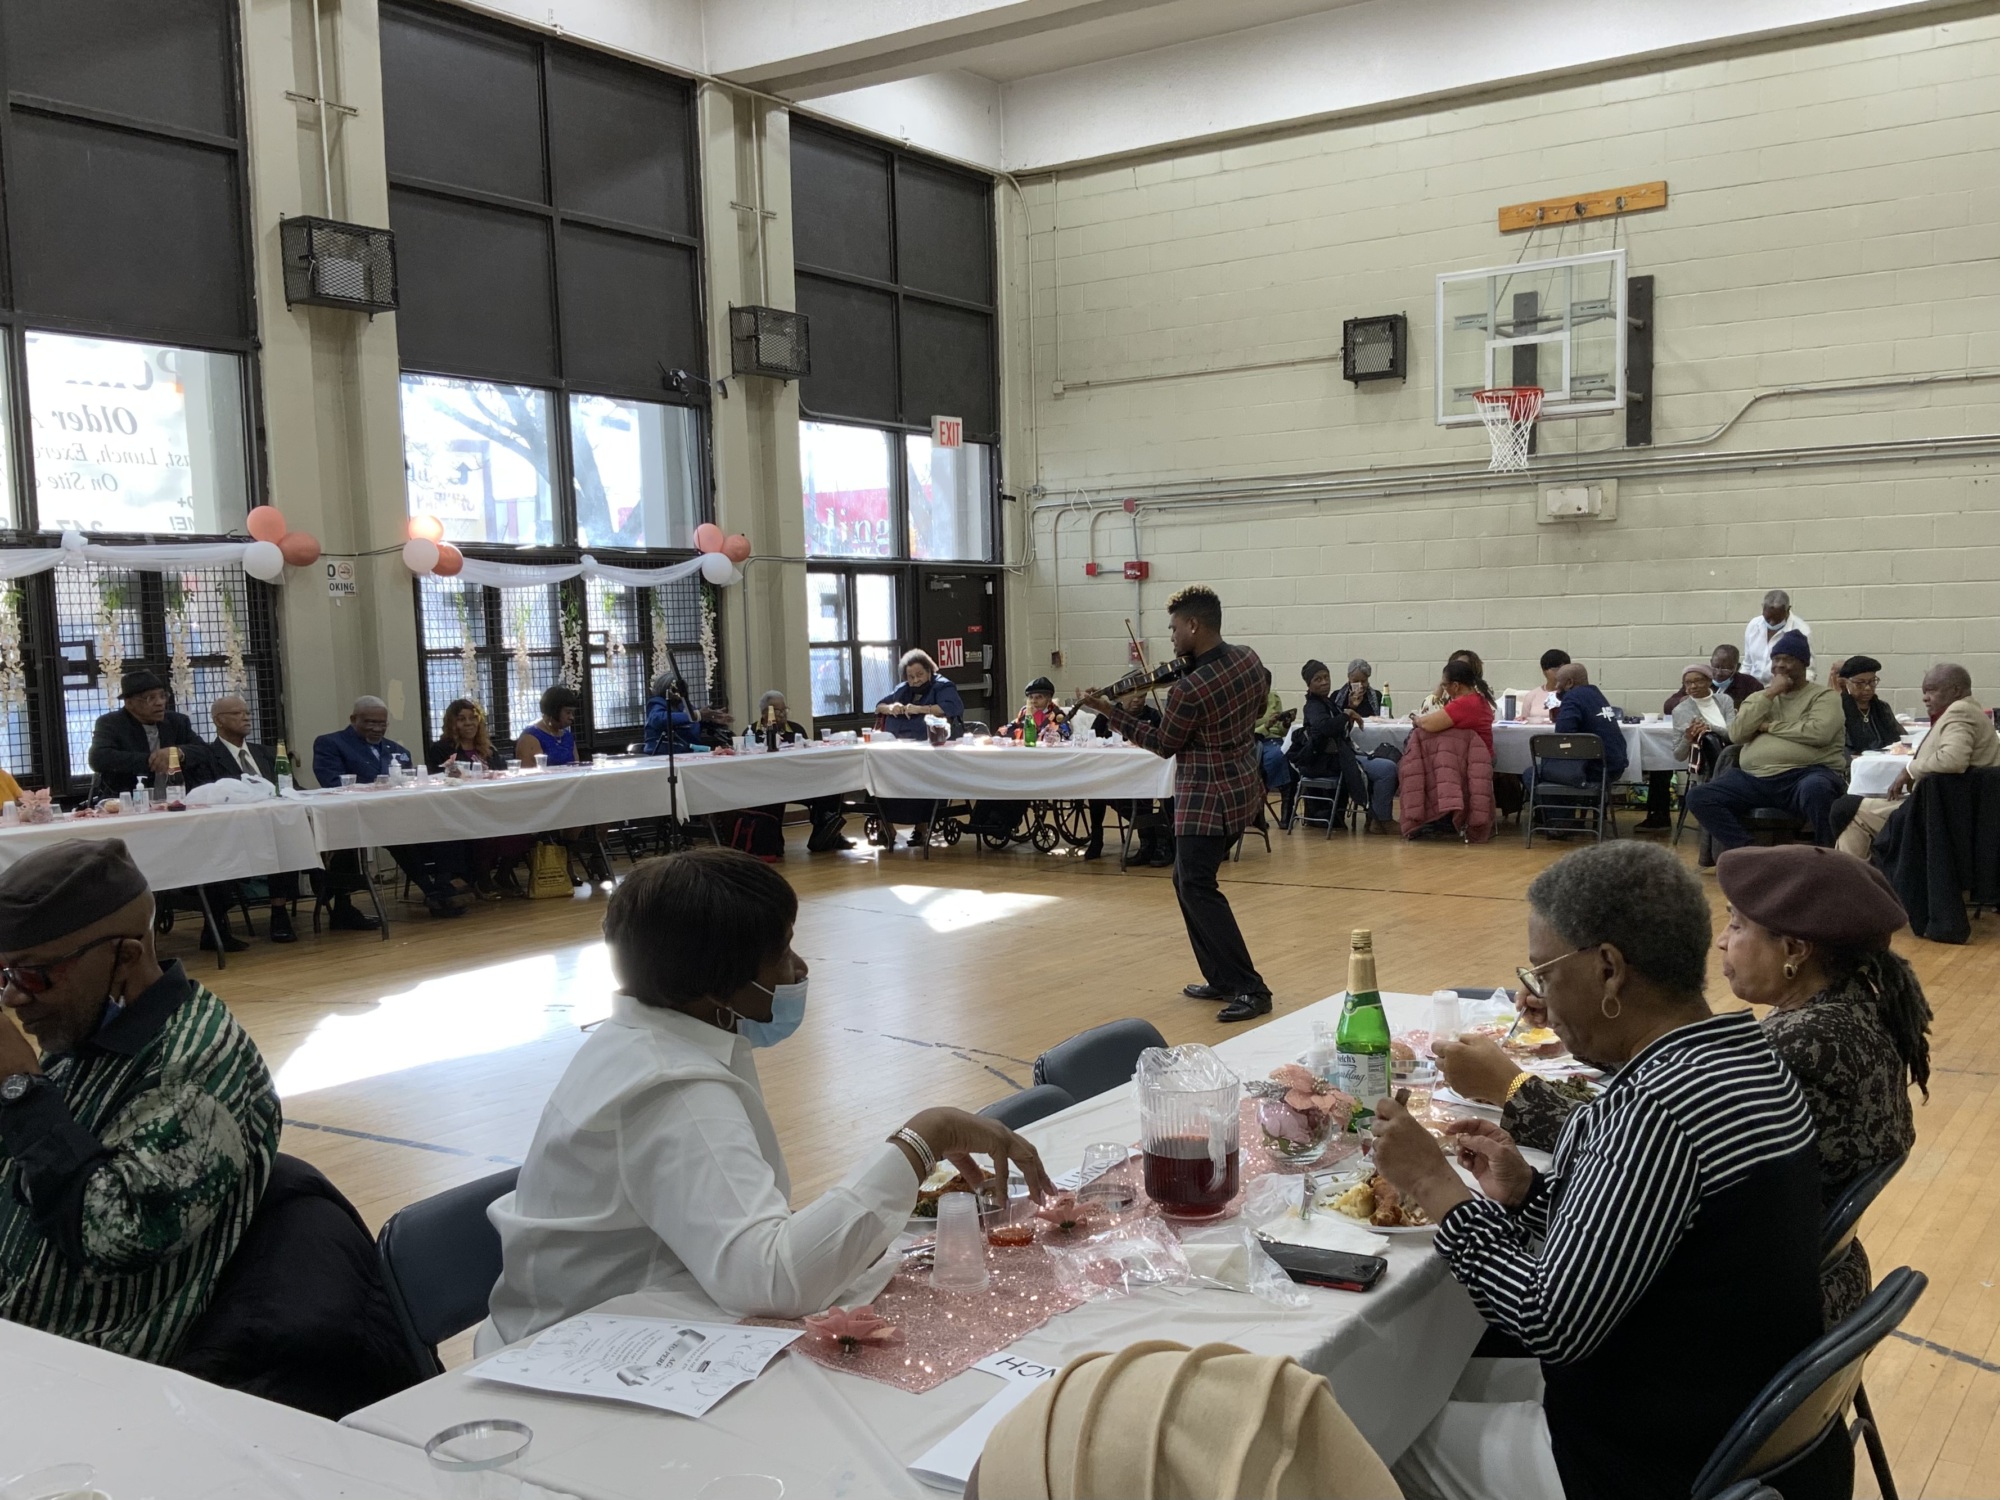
[(1514, 1088)]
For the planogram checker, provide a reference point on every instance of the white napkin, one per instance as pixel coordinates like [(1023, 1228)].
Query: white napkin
[(1327, 1229)]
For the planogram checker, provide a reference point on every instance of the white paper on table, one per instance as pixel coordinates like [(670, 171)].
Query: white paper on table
[(1327, 1229), (948, 1464), (658, 1362)]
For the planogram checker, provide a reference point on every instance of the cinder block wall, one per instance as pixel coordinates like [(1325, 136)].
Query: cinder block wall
[(1834, 215)]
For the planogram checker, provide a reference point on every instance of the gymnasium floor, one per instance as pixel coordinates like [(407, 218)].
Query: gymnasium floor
[(412, 1065)]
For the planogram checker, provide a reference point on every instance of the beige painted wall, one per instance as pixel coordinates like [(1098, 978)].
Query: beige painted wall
[(1835, 215)]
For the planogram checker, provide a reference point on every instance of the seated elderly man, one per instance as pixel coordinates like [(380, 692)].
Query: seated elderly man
[(1666, 1265), (136, 1132), (1726, 672), (1793, 736), (233, 756), (1961, 739), (761, 830), (364, 751), (133, 741)]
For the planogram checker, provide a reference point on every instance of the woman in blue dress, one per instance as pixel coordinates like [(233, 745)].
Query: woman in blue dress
[(554, 734)]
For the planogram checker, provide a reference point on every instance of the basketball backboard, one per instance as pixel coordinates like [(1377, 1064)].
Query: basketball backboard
[(1559, 324)]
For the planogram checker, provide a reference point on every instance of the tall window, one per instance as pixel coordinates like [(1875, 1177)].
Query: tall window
[(851, 620), (554, 390), (127, 362)]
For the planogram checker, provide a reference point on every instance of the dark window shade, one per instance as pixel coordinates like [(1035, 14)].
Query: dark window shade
[(476, 285), (840, 206), (619, 144), (947, 365), (170, 62), (853, 349), (127, 231), (629, 310), (944, 232), (461, 106)]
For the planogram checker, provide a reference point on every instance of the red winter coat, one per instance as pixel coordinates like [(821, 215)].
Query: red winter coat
[(1445, 773)]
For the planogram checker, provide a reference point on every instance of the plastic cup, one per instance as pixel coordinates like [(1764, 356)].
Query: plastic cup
[(959, 1263), (479, 1460), (1444, 1016), (349, 782), (541, 762), (1104, 1179)]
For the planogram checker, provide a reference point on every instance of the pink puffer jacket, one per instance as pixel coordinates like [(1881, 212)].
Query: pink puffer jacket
[(1449, 773)]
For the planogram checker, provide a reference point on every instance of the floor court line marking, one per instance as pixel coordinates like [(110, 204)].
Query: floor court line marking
[(1947, 1351), (397, 1140)]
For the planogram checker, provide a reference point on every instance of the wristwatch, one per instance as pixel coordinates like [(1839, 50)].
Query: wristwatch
[(17, 1086)]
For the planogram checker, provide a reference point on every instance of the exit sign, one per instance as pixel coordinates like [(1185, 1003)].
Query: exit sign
[(948, 432)]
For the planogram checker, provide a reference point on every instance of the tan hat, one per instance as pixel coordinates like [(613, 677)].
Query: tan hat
[(1160, 1421)]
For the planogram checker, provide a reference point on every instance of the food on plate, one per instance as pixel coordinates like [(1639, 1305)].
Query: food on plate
[(1377, 1202), (944, 1180)]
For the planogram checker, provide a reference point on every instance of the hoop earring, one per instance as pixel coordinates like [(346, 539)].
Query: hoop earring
[(1791, 971), (1611, 1008)]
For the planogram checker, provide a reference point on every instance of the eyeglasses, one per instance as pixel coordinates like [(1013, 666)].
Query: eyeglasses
[(1532, 980), (39, 979)]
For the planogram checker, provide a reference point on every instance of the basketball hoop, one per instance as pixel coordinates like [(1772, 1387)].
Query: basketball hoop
[(1509, 412)]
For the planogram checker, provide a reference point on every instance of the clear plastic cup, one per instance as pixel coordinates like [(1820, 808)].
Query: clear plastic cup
[(1444, 1016), (541, 762), (349, 782), (959, 1263), (479, 1460), (1104, 1178)]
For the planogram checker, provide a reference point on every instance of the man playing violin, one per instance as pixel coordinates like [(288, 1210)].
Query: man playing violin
[(1218, 787)]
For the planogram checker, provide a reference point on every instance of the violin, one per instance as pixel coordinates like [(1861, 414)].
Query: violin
[(1145, 677)]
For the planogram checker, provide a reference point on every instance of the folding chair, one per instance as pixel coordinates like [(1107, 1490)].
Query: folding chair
[(1592, 797), (440, 1258), (1096, 1061), (1842, 1220), (1026, 1106)]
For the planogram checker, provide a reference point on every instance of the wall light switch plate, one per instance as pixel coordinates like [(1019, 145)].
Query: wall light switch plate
[(1594, 501)]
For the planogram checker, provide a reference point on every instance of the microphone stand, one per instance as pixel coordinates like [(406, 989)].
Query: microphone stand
[(675, 839)]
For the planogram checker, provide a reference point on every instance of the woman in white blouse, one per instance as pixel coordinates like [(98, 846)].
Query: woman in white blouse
[(655, 1166)]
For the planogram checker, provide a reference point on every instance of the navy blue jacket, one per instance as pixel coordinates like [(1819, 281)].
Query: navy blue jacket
[(345, 753), (663, 723), (940, 694), (1587, 711)]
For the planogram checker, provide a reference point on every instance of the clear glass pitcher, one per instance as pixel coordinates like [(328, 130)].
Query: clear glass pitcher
[(1189, 1129)]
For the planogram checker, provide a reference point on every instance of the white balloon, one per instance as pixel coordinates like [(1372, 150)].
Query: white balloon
[(420, 556), (718, 569), (264, 561)]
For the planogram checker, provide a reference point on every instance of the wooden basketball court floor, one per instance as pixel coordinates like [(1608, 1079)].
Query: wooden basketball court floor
[(412, 1065)]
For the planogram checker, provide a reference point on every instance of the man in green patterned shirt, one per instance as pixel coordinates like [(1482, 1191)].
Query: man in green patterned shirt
[(136, 1145)]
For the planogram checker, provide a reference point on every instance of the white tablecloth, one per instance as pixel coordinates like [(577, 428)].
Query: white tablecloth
[(1392, 1354), (1871, 775), (150, 1432), (196, 847), (962, 769), (717, 783), (1648, 747)]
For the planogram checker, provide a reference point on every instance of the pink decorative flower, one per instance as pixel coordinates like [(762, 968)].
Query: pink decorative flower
[(1305, 1092), (1070, 1216), (35, 806), (1281, 1121), (853, 1328)]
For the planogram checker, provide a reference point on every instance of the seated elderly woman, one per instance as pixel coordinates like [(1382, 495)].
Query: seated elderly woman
[(1446, 774), (761, 830), (1324, 751), (1808, 935), (922, 692), (671, 724), (656, 1167), (1666, 1265), (1356, 697), (1871, 723), (1698, 711)]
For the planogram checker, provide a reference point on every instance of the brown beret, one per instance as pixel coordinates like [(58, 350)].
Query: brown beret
[(63, 889), (1819, 895)]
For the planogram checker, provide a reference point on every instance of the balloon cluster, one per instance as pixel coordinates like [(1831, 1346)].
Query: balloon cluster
[(428, 552), (722, 556), (273, 546)]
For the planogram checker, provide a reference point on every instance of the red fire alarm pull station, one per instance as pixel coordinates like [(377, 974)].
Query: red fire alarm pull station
[(1091, 570), (1138, 572)]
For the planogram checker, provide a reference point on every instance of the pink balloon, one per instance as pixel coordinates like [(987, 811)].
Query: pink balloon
[(265, 524), (426, 529), (737, 549), (301, 548), (708, 537), (450, 560)]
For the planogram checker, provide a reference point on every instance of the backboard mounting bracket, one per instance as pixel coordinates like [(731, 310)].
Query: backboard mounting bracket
[(1604, 203)]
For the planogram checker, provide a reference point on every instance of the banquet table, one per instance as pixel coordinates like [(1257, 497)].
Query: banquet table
[(1649, 746), (197, 847), (1392, 1355), (964, 768), (148, 1431)]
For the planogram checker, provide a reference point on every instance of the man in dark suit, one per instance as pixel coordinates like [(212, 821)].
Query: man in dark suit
[(230, 756), (133, 741), (364, 751)]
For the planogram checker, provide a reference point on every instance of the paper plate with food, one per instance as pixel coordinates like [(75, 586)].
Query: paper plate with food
[(1376, 1203)]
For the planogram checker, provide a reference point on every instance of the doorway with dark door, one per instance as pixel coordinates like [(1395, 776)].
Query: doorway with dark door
[(958, 622)]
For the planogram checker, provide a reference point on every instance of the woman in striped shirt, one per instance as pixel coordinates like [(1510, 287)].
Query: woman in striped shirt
[(1666, 1265)]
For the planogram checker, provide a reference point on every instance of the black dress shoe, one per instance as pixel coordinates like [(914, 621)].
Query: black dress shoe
[(231, 943), (1244, 1008), (444, 906), (1203, 992), (1093, 851), (345, 918), (281, 926)]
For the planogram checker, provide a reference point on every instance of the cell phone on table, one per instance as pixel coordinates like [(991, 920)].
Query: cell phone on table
[(1337, 1269)]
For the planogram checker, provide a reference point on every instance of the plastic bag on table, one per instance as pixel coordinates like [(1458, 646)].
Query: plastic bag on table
[(1129, 1258), (1230, 1258)]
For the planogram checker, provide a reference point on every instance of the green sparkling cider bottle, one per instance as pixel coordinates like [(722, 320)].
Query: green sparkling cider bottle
[(1361, 1043)]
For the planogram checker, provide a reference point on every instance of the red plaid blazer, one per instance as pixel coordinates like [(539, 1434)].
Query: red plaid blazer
[(1218, 783)]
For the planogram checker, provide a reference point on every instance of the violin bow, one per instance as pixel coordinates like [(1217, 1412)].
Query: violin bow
[(1139, 649)]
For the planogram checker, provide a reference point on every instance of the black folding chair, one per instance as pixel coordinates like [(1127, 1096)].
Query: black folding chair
[(1096, 1061), (1026, 1106), (1793, 1437), (440, 1258), (1842, 1221), (1593, 797)]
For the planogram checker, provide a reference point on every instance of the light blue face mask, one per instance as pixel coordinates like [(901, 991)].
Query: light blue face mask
[(788, 1013)]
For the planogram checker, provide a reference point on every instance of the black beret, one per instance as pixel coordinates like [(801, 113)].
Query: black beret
[(63, 889), (1854, 666), (141, 681), (1819, 895), (1041, 685)]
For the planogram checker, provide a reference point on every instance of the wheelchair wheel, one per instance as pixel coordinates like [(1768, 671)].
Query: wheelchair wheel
[(872, 830), (949, 830), (1044, 836), (994, 841), (1072, 821)]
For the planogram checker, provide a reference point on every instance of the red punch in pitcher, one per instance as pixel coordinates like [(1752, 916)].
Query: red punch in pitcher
[(1188, 1123)]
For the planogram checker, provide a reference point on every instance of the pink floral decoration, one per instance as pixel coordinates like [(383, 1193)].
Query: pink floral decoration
[(35, 806), (1305, 1092), (1070, 1216), (853, 1328)]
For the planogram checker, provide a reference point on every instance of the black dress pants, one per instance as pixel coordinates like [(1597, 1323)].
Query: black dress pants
[(1211, 926)]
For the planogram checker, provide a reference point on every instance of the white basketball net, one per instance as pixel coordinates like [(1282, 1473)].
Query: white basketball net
[(1509, 412)]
